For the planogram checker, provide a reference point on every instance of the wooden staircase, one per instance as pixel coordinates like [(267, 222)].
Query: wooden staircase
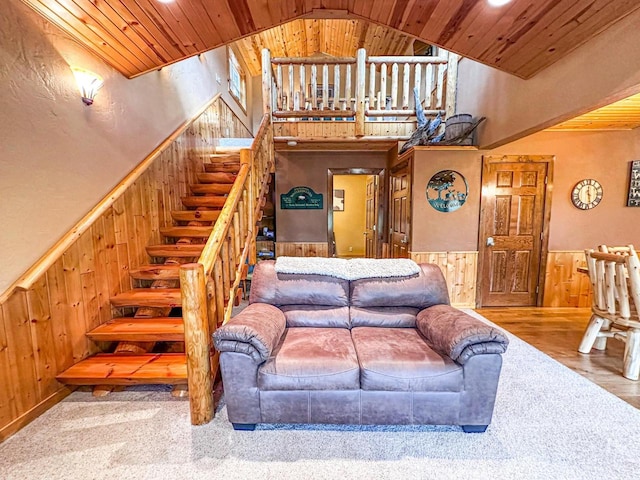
[(149, 346)]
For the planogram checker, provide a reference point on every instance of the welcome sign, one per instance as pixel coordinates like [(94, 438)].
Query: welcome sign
[(301, 198)]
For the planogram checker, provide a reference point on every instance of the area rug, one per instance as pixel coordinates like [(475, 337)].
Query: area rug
[(549, 423)]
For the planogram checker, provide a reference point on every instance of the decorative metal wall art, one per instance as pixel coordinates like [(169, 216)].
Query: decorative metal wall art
[(447, 191), (633, 195)]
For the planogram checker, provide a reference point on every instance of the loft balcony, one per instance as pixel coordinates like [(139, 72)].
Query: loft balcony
[(325, 100)]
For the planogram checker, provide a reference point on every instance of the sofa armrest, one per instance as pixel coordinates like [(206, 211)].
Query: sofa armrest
[(458, 335), (255, 331)]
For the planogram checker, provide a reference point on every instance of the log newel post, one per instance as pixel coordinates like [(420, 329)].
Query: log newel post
[(197, 342), (452, 82), (361, 59), (266, 81)]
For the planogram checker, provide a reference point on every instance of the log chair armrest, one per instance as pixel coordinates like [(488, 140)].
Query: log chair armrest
[(255, 331), (459, 335)]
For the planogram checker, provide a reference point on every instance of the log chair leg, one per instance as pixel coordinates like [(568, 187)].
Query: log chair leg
[(590, 334), (601, 342), (632, 355)]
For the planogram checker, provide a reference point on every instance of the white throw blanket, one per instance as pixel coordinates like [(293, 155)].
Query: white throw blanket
[(348, 269)]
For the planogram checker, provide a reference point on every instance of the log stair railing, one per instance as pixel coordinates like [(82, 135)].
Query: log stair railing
[(158, 345)]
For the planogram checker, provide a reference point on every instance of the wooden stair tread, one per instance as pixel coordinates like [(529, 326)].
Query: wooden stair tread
[(230, 149), (222, 167), (178, 250), (127, 369), (187, 231), (219, 177), (156, 272), (204, 201), (195, 215), (211, 188), (148, 297), (215, 156), (132, 329)]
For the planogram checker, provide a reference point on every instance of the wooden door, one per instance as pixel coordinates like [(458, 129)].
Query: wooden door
[(371, 212), (400, 212), (512, 230)]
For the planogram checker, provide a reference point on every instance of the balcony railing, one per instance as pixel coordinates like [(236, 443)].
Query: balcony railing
[(360, 89)]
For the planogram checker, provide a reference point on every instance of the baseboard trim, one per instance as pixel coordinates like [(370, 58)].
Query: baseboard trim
[(33, 413)]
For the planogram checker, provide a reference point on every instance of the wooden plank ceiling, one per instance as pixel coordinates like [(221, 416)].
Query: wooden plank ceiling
[(621, 115), (338, 38), (523, 37)]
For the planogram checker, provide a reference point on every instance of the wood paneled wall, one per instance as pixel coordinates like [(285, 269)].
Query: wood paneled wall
[(338, 129), (564, 286), (42, 329), (301, 249), (460, 271)]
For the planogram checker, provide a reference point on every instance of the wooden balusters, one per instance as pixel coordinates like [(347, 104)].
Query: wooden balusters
[(314, 86), (390, 85), (303, 87), (394, 86), (336, 87), (347, 88), (209, 287), (361, 60), (406, 76)]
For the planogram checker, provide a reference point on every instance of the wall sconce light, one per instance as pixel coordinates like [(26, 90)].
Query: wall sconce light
[(88, 82)]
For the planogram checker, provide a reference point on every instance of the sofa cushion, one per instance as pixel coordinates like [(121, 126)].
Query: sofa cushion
[(399, 359), (402, 317), (420, 291), (316, 316), (312, 359), (279, 289)]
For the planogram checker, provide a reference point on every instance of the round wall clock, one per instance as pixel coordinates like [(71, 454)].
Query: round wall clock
[(586, 194)]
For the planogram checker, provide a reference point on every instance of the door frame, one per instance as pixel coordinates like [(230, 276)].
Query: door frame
[(382, 202), (546, 217)]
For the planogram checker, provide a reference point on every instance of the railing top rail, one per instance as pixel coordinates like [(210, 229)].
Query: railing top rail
[(264, 124), (212, 248), (401, 59), (313, 60)]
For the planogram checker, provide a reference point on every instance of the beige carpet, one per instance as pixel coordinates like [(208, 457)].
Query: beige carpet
[(549, 423)]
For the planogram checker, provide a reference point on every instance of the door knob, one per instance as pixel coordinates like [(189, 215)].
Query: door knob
[(490, 242), (404, 239)]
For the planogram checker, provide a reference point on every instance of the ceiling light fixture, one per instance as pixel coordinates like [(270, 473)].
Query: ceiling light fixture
[(498, 3), (88, 82)]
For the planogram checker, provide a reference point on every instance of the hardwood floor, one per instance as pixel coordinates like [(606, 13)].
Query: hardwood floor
[(557, 332)]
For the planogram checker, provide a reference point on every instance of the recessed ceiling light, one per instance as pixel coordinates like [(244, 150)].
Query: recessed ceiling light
[(166, 1), (498, 3)]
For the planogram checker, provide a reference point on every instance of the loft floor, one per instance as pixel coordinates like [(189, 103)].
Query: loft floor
[(557, 332)]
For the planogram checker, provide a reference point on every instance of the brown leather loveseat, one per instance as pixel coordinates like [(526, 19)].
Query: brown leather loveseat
[(319, 349)]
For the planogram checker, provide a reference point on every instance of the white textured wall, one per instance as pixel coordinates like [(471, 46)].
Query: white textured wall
[(605, 69), (58, 158)]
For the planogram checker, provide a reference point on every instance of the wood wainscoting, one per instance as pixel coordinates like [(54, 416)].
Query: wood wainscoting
[(564, 286), (460, 269), (341, 129), (302, 249), (44, 316)]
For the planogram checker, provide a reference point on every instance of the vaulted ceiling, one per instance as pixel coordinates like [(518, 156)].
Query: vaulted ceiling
[(338, 38), (522, 38)]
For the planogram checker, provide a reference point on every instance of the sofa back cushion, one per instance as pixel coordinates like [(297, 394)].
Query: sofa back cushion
[(424, 290), (390, 317), (317, 316), (280, 289)]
